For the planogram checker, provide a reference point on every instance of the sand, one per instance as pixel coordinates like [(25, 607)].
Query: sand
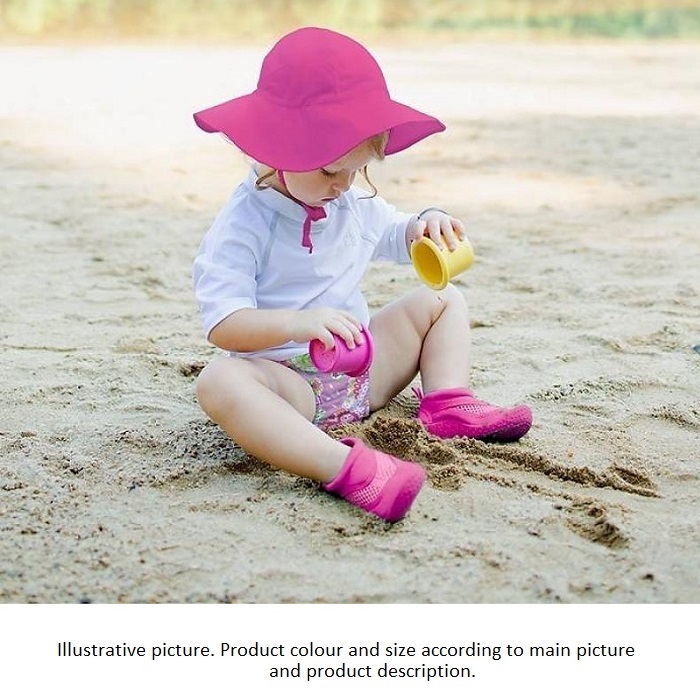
[(577, 169)]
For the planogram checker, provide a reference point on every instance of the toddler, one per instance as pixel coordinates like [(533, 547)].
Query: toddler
[(282, 265)]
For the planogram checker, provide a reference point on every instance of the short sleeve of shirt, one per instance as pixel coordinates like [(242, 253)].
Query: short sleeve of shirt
[(390, 226), (224, 269)]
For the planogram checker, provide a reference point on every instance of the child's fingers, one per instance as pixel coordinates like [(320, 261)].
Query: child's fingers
[(348, 328), (448, 233), (346, 334), (435, 233), (355, 328), (354, 322), (326, 337), (458, 226), (442, 233)]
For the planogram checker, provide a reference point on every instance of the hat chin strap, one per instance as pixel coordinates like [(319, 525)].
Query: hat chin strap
[(312, 214)]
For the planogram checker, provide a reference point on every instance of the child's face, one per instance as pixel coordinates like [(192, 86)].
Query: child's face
[(317, 187)]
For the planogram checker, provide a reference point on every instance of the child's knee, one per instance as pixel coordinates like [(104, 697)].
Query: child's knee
[(438, 301), (451, 295), (213, 381), (206, 383)]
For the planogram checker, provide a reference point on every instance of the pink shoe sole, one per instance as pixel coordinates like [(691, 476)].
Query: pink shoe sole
[(452, 413), (377, 482)]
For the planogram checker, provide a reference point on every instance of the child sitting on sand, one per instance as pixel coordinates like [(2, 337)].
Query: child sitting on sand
[(282, 265)]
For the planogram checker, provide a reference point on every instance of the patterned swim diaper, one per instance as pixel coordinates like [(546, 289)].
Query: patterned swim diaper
[(340, 398)]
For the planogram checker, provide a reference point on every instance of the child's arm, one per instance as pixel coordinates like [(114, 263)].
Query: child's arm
[(248, 330)]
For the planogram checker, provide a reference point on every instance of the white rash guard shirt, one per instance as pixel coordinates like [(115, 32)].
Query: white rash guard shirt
[(252, 257)]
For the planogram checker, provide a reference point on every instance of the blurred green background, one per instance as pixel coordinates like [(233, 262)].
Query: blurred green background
[(218, 20)]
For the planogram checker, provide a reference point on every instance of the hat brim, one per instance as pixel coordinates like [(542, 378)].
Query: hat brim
[(302, 140)]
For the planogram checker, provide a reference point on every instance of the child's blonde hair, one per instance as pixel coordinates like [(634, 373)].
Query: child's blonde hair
[(376, 145)]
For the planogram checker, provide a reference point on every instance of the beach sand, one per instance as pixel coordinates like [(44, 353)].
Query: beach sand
[(577, 170)]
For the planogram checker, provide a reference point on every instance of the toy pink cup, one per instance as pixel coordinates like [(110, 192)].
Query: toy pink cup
[(340, 358)]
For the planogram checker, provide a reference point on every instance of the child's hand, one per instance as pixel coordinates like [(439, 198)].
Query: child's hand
[(440, 227), (321, 323)]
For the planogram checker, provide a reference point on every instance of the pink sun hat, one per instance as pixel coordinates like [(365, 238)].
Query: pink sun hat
[(319, 94)]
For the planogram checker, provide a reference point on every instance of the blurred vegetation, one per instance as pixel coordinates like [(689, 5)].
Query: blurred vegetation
[(228, 19)]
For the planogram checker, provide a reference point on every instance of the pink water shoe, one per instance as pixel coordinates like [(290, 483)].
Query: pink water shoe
[(457, 412), (376, 482)]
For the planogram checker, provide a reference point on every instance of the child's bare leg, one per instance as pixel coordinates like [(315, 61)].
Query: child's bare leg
[(429, 331), (267, 409), (424, 330)]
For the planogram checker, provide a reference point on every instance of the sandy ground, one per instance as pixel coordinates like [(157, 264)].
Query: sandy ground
[(578, 170)]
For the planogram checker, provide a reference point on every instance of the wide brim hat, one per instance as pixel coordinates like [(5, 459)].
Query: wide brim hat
[(319, 95)]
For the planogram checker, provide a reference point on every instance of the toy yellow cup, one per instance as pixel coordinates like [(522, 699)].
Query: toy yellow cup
[(437, 267)]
